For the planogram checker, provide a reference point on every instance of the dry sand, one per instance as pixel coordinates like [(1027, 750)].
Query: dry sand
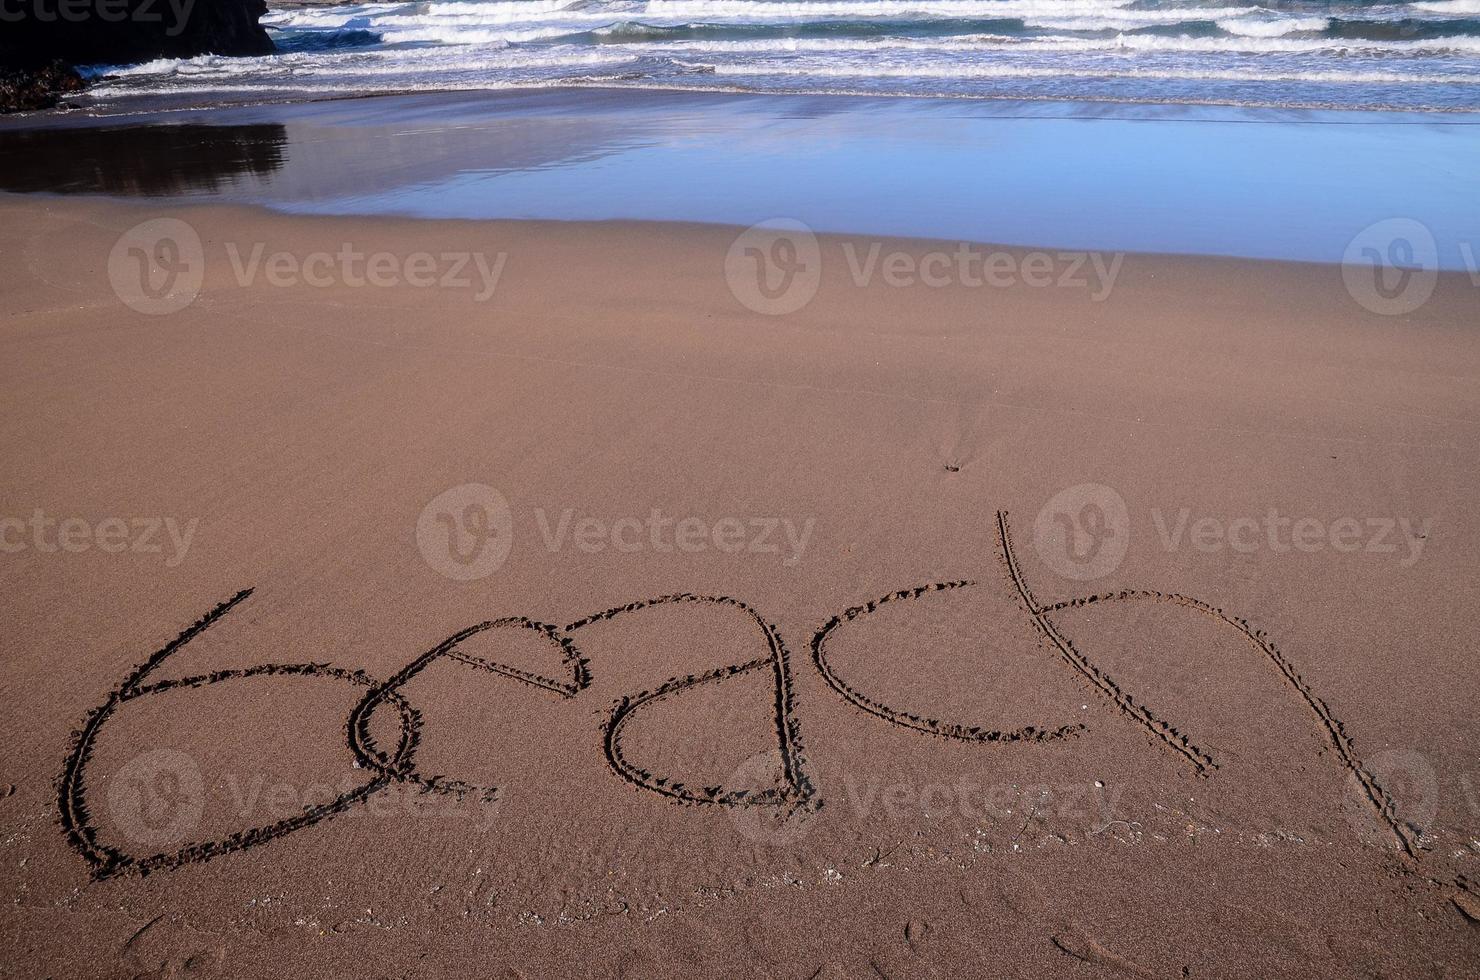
[(1261, 765)]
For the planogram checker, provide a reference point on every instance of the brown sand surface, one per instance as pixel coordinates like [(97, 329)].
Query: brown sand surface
[(1237, 762)]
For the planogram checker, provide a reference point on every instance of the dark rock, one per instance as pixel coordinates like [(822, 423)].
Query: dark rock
[(39, 39), (26, 89), (86, 32)]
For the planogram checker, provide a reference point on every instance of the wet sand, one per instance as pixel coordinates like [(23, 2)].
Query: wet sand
[(608, 625)]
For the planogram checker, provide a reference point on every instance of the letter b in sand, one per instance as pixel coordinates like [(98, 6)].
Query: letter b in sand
[(157, 267), (466, 532), (774, 267), (1083, 532)]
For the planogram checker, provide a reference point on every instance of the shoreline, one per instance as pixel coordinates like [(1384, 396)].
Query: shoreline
[(1452, 279), (829, 162), (119, 109)]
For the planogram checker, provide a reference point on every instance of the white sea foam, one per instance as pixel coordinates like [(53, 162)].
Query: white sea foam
[(975, 43), (1170, 47), (716, 11), (874, 70), (899, 9), (1273, 28), (1455, 8)]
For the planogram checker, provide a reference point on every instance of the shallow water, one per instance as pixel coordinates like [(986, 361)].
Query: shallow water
[(1255, 183)]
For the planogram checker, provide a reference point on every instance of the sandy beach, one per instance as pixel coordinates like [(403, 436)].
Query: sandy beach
[(396, 597)]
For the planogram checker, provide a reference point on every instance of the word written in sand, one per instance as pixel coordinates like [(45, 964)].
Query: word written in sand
[(395, 761)]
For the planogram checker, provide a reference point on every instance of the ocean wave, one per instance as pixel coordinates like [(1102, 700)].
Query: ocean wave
[(779, 9), (1401, 28), (1261, 74), (1230, 33), (454, 36), (328, 17), (301, 41), (639, 32), (1423, 54), (1129, 20), (513, 9), (534, 20), (1120, 43), (489, 14), (1254, 45), (1273, 28), (1449, 7)]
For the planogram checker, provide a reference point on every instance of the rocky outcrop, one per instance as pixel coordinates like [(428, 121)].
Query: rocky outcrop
[(23, 89), (40, 38)]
